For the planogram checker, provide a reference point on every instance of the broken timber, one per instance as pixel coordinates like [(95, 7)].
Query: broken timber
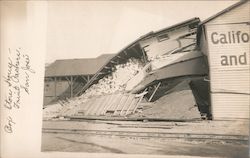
[(120, 104), (156, 88)]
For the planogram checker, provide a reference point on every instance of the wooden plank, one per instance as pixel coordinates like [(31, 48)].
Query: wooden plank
[(84, 78), (130, 106), (120, 57), (87, 104), (230, 80), (114, 99), (55, 87), (92, 105), (120, 103), (105, 100), (151, 97), (71, 86), (127, 103), (139, 101), (107, 104), (114, 62), (135, 51), (98, 105)]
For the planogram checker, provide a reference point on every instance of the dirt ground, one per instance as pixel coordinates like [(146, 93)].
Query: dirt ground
[(91, 143)]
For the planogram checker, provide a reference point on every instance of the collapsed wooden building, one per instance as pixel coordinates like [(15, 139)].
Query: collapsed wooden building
[(174, 55), (177, 39), (165, 55)]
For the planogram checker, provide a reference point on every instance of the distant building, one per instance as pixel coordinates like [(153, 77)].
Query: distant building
[(64, 78), (225, 38)]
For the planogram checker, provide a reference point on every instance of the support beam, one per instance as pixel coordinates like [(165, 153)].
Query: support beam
[(55, 87), (71, 86), (84, 78), (151, 97), (74, 79), (119, 104), (125, 52), (71, 82), (136, 106), (135, 51), (125, 104), (101, 73), (106, 67), (131, 103), (144, 56), (120, 57), (114, 62), (67, 79)]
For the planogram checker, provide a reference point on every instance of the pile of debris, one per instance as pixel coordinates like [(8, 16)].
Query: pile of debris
[(168, 55), (115, 82), (52, 111), (110, 84)]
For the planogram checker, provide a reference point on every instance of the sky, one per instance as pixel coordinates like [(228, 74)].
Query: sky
[(86, 29)]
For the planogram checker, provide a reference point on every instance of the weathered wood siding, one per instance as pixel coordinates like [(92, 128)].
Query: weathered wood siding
[(154, 46), (229, 63)]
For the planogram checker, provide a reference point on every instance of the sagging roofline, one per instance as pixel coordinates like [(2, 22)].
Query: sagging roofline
[(136, 43), (171, 28)]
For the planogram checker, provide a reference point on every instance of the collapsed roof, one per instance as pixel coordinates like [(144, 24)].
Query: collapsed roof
[(135, 49)]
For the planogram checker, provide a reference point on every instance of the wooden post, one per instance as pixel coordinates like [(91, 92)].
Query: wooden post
[(125, 103), (71, 86), (125, 52), (55, 87), (144, 56), (126, 113), (151, 97), (86, 80), (138, 103), (120, 101), (135, 51), (109, 100)]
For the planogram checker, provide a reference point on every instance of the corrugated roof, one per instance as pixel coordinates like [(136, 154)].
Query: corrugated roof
[(73, 67), (224, 11)]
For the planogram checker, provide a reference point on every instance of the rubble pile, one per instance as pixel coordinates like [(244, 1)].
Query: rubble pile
[(72, 107), (115, 82), (52, 111)]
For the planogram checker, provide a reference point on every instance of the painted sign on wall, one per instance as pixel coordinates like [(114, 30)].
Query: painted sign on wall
[(229, 62)]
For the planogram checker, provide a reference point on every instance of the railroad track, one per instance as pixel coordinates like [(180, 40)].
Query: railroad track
[(156, 135)]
